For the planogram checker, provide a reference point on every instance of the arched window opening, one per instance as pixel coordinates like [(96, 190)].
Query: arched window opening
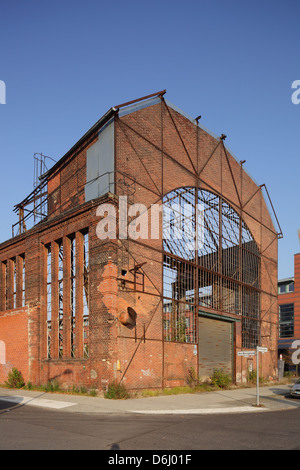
[(211, 260)]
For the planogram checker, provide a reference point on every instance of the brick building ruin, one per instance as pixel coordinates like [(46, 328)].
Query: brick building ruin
[(87, 309)]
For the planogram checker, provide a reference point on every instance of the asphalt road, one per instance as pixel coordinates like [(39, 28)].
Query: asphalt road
[(29, 428)]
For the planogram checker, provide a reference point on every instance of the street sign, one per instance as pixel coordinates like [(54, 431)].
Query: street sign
[(262, 350), (259, 349), (246, 353)]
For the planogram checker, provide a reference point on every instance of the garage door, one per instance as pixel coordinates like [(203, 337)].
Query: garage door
[(215, 346)]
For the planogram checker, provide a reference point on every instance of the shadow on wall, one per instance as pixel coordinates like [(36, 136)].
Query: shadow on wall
[(65, 372)]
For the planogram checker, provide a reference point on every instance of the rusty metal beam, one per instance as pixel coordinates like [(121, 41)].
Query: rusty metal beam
[(158, 94)]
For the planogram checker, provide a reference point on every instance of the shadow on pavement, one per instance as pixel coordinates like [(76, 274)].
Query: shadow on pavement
[(7, 402)]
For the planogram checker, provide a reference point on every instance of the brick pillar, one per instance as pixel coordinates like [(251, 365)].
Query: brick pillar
[(79, 296), (109, 287)]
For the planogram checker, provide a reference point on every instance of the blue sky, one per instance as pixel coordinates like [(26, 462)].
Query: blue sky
[(65, 63)]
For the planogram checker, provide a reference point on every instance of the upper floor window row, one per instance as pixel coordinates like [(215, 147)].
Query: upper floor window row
[(12, 283)]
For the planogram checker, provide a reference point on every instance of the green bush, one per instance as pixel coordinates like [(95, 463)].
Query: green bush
[(192, 380), (252, 376), (15, 379), (116, 391), (220, 378)]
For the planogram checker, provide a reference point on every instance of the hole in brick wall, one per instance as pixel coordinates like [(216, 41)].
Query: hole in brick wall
[(128, 318)]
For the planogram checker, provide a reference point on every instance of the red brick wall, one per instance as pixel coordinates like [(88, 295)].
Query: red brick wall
[(297, 296), (14, 334), (294, 297), (66, 186)]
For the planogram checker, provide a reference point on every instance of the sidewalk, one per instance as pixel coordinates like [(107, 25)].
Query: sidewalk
[(228, 401)]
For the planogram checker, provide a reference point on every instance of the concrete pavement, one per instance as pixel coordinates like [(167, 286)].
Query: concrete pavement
[(271, 398)]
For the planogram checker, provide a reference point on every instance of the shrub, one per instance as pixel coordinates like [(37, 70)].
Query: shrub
[(220, 379), (15, 379), (29, 386), (192, 379), (252, 376), (116, 391)]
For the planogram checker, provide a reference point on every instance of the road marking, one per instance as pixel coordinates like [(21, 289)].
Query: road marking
[(42, 402)]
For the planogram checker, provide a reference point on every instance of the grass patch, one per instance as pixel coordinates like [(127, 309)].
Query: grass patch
[(200, 388), (116, 391), (52, 386)]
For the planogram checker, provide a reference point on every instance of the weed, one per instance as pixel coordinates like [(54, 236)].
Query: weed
[(192, 379), (52, 386), (116, 391), (252, 376)]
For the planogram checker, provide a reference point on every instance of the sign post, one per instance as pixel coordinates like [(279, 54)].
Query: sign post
[(257, 377), (259, 349)]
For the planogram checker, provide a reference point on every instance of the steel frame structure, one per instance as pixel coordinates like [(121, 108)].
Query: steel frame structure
[(221, 272)]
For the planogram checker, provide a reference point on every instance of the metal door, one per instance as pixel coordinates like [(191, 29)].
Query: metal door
[(215, 346)]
